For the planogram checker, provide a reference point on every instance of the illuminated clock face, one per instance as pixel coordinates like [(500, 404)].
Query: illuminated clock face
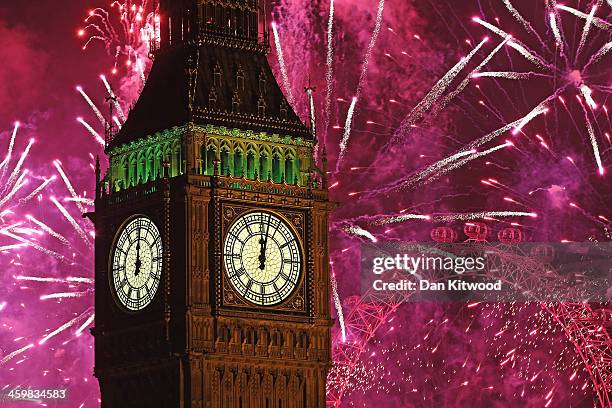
[(136, 263), (262, 258)]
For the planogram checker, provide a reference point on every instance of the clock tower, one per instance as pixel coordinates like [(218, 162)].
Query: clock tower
[(211, 258)]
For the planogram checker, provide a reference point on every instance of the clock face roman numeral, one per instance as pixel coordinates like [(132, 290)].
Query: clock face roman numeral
[(122, 284), (136, 263), (262, 258)]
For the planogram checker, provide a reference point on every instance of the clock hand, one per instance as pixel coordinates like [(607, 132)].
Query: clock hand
[(262, 254), (265, 245), (138, 263), (262, 244)]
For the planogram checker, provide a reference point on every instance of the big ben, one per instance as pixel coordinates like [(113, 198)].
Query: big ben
[(211, 258)]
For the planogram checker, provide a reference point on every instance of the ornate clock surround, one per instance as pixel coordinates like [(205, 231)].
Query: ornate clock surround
[(229, 300), (119, 230), (150, 206)]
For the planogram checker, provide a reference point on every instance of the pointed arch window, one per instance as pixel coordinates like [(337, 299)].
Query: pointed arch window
[(225, 165), (276, 168), (238, 159), (289, 172), (217, 73), (263, 166), (211, 156), (250, 165), (240, 79)]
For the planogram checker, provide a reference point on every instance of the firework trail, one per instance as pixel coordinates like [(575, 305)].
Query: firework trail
[(60, 329), (413, 179), (596, 21), (92, 131), (338, 304), (71, 220), (116, 120), (457, 164), (13, 183), (507, 74), (371, 44), (141, 70), (444, 164), (85, 325), (347, 132), (518, 17), (15, 353), (434, 94), (16, 173), (473, 74), (517, 45), (481, 215), (54, 280), (113, 98), (599, 54), (593, 140), (329, 73), (64, 295), (313, 117), (39, 189), (31, 243), (92, 105), (556, 32), (9, 153), (362, 78), (585, 31), (74, 195), (360, 232), (281, 64), (588, 96)]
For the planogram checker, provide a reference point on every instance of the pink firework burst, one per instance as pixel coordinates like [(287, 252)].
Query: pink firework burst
[(128, 30), (46, 303)]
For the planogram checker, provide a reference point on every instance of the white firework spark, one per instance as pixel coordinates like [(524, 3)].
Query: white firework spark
[(347, 132), (282, 66), (481, 215)]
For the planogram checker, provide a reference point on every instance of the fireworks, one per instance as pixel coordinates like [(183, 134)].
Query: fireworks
[(14, 179), (432, 155), (92, 131), (329, 73), (347, 132), (128, 29), (49, 301), (281, 64), (493, 94), (92, 105), (113, 98), (360, 84), (436, 92)]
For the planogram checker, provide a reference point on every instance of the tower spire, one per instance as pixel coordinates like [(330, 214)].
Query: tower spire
[(311, 109)]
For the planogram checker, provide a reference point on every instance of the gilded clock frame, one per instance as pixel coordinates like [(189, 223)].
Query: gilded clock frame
[(230, 299)]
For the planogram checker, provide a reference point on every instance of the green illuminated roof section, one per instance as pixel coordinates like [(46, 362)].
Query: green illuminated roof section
[(248, 154)]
